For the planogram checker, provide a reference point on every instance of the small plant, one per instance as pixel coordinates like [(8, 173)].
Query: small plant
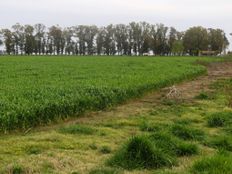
[(219, 119), (139, 152), (218, 164), (105, 149), (187, 133), (77, 129)]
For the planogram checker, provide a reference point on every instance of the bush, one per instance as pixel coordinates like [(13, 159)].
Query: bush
[(139, 152), (77, 129), (217, 164), (187, 133), (219, 119)]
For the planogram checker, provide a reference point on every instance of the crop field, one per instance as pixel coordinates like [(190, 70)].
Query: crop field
[(38, 90)]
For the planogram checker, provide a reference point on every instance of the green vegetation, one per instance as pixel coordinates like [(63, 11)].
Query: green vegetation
[(187, 133), (224, 143), (77, 129), (105, 171), (39, 90), (140, 152), (219, 119), (217, 164), (142, 136)]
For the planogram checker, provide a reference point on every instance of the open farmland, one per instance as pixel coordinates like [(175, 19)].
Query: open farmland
[(37, 90), (153, 134)]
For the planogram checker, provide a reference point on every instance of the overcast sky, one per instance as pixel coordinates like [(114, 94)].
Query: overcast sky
[(181, 14)]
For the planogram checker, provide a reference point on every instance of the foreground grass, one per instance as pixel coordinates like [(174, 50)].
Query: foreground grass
[(38, 90)]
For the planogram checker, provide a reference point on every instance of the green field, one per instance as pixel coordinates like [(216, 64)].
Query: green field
[(38, 90)]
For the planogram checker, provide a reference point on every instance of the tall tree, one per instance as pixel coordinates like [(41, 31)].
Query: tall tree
[(100, 39), (29, 39), (39, 38), (19, 38), (8, 41), (195, 40), (55, 39)]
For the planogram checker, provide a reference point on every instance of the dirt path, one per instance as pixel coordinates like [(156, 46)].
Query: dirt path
[(188, 90)]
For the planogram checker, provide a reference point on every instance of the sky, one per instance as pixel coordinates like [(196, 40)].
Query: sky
[(180, 14)]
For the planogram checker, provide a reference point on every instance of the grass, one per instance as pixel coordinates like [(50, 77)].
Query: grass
[(172, 145), (38, 90), (49, 150), (105, 171), (139, 152), (203, 96), (219, 119), (77, 129), (187, 133), (105, 150), (217, 164), (221, 142)]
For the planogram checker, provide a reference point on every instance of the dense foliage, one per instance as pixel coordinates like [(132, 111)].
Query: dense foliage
[(38, 90), (132, 39)]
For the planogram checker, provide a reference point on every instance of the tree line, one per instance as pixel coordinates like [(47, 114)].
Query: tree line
[(136, 38)]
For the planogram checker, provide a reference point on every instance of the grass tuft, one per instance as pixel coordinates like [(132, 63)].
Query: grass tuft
[(77, 129), (139, 152), (187, 133), (224, 143), (219, 119), (172, 145), (203, 96), (105, 171), (33, 150), (105, 150), (217, 164)]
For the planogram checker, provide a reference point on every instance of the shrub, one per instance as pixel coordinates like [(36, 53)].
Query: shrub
[(77, 129), (219, 119), (217, 164), (139, 152), (187, 133)]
